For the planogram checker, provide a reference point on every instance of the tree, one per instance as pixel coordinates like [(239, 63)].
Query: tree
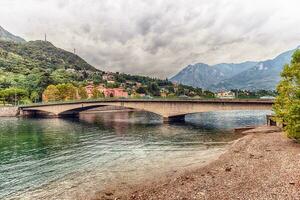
[(154, 89), (34, 96), (97, 78), (141, 90), (97, 94), (67, 92), (287, 103), (82, 93), (51, 94), (63, 76), (13, 95)]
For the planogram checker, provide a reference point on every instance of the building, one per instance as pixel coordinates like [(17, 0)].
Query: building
[(114, 92), (226, 95), (163, 94), (267, 97), (111, 82), (108, 76), (90, 88), (138, 84)]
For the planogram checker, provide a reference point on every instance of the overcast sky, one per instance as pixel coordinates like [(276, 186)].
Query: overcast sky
[(158, 37)]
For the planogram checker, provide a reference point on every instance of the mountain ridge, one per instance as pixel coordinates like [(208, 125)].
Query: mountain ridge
[(248, 75), (7, 36)]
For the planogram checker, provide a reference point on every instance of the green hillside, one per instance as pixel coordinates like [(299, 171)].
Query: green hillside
[(37, 64)]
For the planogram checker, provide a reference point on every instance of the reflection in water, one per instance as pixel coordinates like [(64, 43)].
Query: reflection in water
[(61, 159)]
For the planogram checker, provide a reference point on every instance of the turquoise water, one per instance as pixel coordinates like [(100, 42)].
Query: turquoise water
[(74, 158)]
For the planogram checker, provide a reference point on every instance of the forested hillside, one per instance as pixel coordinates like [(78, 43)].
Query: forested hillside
[(32, 66)]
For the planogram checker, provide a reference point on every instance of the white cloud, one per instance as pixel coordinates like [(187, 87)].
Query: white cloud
[(158, 37)]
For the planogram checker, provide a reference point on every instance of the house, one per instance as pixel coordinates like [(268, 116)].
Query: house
[(89, 90), (108, 92), (163, 94), (108, 76), (267, 97), (115, 92), (138, 84), (111, 82), (226, 95)]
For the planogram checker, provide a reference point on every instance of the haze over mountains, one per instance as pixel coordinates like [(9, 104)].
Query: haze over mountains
[(225, 76)]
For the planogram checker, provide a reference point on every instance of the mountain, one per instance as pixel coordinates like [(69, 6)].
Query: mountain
[(198, 75), (204, 76), (36, 64), (42, 54), (264, 75), (231, 69), (225, 76), (7, 36)]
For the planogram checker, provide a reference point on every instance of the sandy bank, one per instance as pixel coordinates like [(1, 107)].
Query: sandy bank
[(262, 165)]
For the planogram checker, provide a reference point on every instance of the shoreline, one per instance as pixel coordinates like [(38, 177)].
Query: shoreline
[(262, 164)]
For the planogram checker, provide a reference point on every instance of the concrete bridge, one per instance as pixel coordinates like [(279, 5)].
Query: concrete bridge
[(170, 110)]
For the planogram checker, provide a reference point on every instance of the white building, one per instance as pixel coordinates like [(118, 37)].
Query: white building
[(226, 95)]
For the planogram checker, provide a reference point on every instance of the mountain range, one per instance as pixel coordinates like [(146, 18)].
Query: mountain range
[(250, 75)]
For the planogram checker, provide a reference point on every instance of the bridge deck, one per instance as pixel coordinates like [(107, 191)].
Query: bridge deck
[(252, 101)]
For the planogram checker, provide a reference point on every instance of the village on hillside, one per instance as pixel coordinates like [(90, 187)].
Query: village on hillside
[(115, 85)]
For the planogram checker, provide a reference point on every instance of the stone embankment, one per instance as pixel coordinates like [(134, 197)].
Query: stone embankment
[(8, 111)]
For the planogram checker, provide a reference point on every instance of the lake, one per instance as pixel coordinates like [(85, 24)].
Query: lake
[(54, 158)]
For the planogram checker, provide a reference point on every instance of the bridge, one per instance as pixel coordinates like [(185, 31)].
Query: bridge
[(170, 110)]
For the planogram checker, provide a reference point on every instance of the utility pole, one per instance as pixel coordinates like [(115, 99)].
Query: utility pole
[(45, 37), (74, 51)]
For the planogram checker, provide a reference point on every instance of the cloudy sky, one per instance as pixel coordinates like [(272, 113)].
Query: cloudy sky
[(158, 37)]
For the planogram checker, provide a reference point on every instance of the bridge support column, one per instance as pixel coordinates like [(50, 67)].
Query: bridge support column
[(179, 118)]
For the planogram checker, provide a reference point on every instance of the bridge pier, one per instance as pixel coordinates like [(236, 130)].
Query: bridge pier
[(179, 118)]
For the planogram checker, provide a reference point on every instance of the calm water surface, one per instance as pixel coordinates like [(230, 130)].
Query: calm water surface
[(74, 158)]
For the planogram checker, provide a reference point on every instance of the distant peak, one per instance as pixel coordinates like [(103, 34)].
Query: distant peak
[(199, 65), (7, 36)]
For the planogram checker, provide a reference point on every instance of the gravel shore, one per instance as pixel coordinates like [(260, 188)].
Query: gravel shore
[(264, 164)]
